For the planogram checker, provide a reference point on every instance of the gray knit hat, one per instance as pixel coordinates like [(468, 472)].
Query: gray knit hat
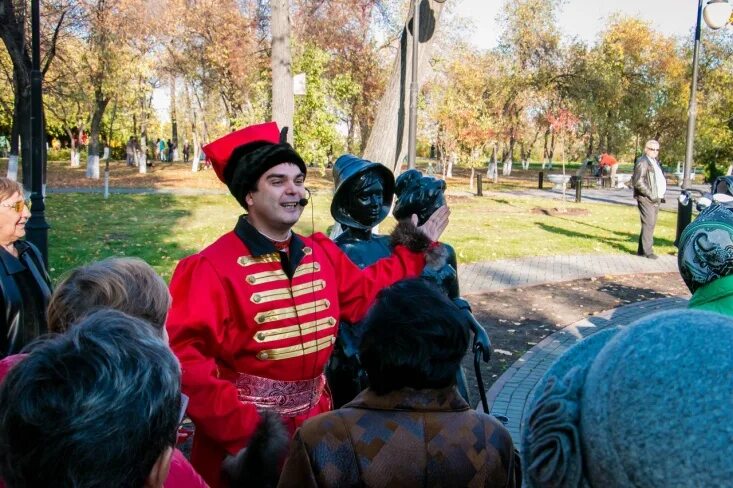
[(648, 405)]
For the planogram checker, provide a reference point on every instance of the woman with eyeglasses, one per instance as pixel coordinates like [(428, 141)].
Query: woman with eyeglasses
[(24, 284)]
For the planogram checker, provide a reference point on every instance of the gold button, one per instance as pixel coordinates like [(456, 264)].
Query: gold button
[(251, 279), (261, 336), (262, 355), (260, 319), (331, 321), (256, 298), (326, 303), (317, 266), (307, 251)]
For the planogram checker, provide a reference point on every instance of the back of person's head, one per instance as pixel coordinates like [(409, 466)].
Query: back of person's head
[(413, 337), (129, 285), (97, 406), (644, 405)]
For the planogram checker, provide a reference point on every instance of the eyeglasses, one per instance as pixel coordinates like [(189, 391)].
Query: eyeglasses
[(653, 148), (17, 206)]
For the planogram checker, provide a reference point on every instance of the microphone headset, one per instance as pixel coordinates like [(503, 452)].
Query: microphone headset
[(304, 201)]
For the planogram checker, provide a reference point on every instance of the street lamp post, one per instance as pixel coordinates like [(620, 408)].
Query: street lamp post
[(716, 15), (37, 227), (412, 126)]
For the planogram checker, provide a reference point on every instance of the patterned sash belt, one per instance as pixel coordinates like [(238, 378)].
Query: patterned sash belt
[(288, 398)]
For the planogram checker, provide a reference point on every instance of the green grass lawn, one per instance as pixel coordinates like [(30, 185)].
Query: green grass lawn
[(165, 228)]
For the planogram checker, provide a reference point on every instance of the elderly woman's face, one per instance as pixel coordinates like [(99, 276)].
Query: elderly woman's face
[(12, 220)]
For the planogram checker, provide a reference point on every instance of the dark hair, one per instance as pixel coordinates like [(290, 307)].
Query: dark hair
[(96, 406), (413, 337), (129, 285)]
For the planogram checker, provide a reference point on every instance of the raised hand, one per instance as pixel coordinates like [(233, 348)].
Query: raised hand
[(433, 228)]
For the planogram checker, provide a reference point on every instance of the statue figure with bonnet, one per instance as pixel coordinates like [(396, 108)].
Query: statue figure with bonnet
[(363, 196), (362, 199)]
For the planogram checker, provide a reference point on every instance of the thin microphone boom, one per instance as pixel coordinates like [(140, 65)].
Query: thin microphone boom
[(304, 201)]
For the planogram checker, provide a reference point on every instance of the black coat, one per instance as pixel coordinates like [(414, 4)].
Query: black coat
[(644, 180), (13, 337)]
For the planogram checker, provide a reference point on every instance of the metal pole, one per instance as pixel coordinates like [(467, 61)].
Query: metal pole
[(685, 214), (37, 227), (479, 185), (412, 135)]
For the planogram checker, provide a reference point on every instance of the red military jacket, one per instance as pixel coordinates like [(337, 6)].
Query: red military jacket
[(239, 306)]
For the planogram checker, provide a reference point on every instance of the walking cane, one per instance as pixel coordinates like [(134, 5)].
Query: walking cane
[(478, 352)]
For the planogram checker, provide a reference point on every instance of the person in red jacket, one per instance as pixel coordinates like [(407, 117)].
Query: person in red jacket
[(255, 314), (609, 164)]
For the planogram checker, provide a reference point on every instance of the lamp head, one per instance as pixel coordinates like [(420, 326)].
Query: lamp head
[(717, 13)]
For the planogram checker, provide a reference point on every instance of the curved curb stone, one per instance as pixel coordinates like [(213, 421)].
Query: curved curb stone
[(511, 393)]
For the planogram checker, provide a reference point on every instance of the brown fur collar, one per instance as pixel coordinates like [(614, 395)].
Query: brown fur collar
[(406, 234)]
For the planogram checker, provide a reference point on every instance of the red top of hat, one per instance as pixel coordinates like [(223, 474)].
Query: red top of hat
[(219, 151)]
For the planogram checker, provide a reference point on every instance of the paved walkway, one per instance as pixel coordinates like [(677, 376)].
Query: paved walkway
[(622, 196), (512, 273), (512, 392)]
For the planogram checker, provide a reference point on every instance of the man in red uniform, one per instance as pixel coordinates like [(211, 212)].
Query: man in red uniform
[(255, 314)]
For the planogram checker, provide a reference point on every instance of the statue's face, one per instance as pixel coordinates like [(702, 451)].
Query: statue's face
[(367, 200)]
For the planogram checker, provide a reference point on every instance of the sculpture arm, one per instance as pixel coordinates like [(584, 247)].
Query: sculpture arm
[(480, 336)]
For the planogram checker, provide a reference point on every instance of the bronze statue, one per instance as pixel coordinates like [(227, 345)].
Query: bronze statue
[(362, 199), (422, 195)]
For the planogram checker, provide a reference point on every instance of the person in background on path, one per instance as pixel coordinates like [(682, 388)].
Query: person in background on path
[(171, 151), (649, 186), (25, 287), (411, 427), (705, 259), (157, 149), (130, 151), (255, 314), (186, 151), (97, 406), (643, 405), (161, 149), (609, 164)]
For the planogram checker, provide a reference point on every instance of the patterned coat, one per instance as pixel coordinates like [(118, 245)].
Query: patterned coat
[(241, 308), (405, 438)]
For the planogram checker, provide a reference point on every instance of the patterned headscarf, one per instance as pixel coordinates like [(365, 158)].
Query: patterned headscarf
[(706, 247)]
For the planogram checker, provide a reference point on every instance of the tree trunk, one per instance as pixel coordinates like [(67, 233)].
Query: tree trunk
[(174, 121), (14, 147), (142, 153), (387, 141), (74, 155), (451, 162), (283, 100), (23, 121), (188, 102), (509, 160), (93, 150)]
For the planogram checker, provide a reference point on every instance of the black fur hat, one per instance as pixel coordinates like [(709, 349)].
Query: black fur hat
[(250, 161)]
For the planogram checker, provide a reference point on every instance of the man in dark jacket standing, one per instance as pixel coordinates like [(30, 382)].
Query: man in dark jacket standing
[(649, 188)]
